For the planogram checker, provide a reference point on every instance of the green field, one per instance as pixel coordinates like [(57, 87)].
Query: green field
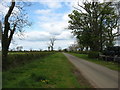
[(53, 71), (110, 65)]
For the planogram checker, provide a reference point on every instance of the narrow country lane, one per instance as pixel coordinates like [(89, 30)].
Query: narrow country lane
[(99, 76)]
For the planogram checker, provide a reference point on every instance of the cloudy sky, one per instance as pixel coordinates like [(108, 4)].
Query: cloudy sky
[(49, 19)]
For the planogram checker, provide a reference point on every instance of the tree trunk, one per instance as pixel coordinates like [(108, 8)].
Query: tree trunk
[(86, 48), (4, 53), (52, 48), (6, 40)]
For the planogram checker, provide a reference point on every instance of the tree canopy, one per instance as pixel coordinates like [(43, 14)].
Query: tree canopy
[(95, 26)]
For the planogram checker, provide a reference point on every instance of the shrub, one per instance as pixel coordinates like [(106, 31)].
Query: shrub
[(93, 54), (18, 58), (81, 52)]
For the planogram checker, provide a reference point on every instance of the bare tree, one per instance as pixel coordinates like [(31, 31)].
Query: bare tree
[(13, 21), (52, 42)]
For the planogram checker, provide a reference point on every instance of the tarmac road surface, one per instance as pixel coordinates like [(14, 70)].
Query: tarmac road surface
[(99, 76)]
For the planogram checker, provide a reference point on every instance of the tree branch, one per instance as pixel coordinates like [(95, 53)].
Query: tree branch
[(7, 24), (11, 34)]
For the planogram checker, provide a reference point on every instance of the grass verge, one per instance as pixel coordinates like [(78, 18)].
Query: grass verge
[(53, 71), (110, 65)]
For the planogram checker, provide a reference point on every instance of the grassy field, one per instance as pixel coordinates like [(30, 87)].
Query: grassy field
[(111, 65), (54, 71)]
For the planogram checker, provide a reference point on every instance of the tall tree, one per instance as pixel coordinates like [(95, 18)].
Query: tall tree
[(14, 20), (94, 26)]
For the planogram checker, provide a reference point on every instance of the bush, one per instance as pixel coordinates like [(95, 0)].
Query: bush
[(80, 52), (83, 52), (93, 54), (19, 58)]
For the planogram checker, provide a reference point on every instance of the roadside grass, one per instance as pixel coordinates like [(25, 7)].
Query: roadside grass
[(54, 71), (110, 65)]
